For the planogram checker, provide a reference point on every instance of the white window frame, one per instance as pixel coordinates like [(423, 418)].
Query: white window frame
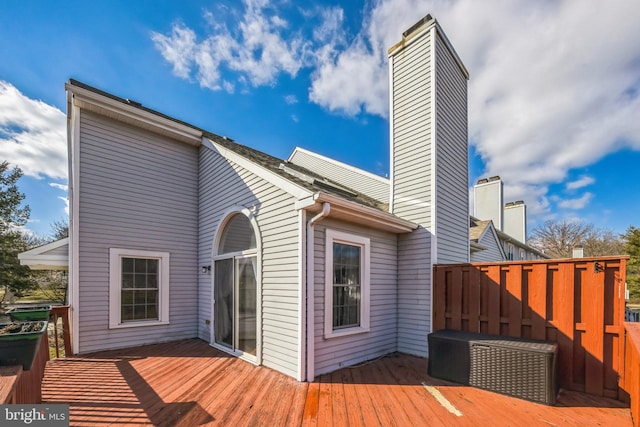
[(332, 236), (115, 287)]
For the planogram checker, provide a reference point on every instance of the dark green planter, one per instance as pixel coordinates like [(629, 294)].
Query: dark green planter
[(34, 312), (19, 347)]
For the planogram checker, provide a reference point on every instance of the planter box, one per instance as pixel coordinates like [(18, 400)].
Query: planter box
[(34, 312), (20, 347)]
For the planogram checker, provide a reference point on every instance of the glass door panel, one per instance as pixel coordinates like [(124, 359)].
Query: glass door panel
[(246, 294), (223, 306)]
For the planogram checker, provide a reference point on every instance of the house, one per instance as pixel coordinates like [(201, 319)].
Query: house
[(51, 256), (177, 232), (498, 230)]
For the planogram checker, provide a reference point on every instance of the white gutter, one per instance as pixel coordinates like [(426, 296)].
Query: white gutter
[(434, 165), (74, 225), (326, 208), (302, 295)]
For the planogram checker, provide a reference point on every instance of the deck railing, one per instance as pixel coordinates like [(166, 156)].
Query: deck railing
[(578, 303), (631, 315), (61, 336), (631, 378), (20, 386)]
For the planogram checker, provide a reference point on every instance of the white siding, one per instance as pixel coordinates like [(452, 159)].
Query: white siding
[(452, 205), (429, 182), (349, 176), (138, 190), (412, 199), (492, 252), (334, 353), (61, 250), (222, 186)]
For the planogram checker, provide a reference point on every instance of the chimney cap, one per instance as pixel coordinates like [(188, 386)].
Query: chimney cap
[(417, 25), (486, 180)]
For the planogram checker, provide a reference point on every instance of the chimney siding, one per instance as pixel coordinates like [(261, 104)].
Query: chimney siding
[(429, 170), (515, 221), (488, 201)]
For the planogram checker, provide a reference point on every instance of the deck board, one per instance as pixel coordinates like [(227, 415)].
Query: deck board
[(189, 383)]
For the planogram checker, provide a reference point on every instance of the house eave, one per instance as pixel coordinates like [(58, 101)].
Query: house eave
[(280, 182), (133, 114), (357, 213), (37, 259)]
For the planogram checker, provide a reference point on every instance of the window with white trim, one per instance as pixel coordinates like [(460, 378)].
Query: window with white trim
[(347, 283), (138, 288)]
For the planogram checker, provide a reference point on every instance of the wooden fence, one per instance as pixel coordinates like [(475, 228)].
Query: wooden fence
[(632, 369), (578, 303)]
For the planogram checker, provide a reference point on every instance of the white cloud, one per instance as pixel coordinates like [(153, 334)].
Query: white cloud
[(62, 187), (554, 85), (256, 49), (66, 203), (291, 99), (583, 181), (33, 134), (576, 204)]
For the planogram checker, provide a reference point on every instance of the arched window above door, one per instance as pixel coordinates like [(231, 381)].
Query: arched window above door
[(237, 235)]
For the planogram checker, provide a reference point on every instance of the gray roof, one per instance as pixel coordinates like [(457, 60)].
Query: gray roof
[(293, 173), (477, 228)]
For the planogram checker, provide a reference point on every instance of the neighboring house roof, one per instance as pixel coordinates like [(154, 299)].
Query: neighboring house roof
[(477, 228), (347, 203), (52, 256), (483, 231), (360, 180)]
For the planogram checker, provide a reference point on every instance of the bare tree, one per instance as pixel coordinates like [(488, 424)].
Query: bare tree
[(558, 239), (60, 229)]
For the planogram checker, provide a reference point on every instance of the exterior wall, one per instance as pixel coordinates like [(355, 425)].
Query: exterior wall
[(452, 171), (429, 171), (224, 185), (138, 190), (492, 253), (412, 161), (488, 201), (515, 221), (61, 250), (349, 176), (335, 353)]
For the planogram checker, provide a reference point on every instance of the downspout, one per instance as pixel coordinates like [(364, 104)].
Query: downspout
[(326, 208)]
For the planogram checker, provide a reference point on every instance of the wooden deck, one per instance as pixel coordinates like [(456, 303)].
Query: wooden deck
[(188, 383)]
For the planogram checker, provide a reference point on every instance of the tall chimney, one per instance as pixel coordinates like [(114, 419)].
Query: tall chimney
[(429, 169), (515, 220), (487, 201)]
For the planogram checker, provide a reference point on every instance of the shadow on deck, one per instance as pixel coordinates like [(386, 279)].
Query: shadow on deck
[(188, 383)]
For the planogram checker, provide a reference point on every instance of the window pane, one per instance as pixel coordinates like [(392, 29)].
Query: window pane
[(346, 285), (127, 298), (140, 265), (127, 280), (237, 235), (152, 281), (152, 311), (139, 294), (152, 266), (126, 313), (127, 265)]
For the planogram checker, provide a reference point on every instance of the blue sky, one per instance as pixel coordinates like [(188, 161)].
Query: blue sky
[(553, 94)]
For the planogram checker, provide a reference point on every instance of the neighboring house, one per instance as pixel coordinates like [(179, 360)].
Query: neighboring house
[(493, 219), (485, 243), (176, 232), (52, 256)]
